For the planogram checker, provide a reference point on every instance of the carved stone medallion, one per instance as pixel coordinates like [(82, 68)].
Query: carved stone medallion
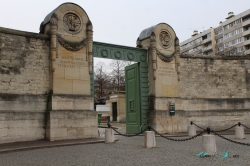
[(72, 23), (165, 39)]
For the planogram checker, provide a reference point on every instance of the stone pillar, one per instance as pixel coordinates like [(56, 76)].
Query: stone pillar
[(209, 144), (239, 132), (163, 46), (109, 136), (90, 46), (149, 139), (71, 113), (153, 53), (53, 51), (191, 130)]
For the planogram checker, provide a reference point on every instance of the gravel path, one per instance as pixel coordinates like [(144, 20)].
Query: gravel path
[(130, 151)]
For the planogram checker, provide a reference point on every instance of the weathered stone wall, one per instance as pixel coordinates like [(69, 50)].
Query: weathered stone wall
[(213, 78), (24, 85), (213, 92)]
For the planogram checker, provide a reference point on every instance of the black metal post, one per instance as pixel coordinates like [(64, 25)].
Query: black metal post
[(208, 130)]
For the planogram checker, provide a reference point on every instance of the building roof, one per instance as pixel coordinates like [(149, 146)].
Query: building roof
[(146, 33)]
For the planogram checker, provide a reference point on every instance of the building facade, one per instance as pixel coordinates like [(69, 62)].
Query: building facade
[(231, 37)]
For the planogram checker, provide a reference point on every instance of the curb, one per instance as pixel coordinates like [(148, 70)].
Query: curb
[(50, 146)]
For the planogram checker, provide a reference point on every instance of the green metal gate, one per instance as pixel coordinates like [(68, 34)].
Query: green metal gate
[(117, 52), (133, 110)]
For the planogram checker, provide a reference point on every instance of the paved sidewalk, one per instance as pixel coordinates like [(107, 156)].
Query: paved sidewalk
[(121, 127)]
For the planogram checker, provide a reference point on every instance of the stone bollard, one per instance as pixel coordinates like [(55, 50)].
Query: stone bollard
[(239, 132), (109, 135), (209, 144), (191, 130), (149, 139)]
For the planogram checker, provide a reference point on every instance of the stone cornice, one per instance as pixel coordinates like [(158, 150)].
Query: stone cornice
[(218, 57), (24, 33)]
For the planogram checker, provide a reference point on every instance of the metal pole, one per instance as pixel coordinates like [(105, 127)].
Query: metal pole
[(172, 124)]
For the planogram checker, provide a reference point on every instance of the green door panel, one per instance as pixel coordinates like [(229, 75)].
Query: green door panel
[(133, 107)]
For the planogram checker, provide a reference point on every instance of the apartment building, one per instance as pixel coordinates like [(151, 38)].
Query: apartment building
[(231, 37)]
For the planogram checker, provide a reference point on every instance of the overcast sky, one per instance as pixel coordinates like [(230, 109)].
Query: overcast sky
[(121, 21)]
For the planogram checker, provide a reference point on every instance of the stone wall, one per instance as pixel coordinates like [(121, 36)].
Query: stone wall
[(213, 92), (24, 85), (213, 78)]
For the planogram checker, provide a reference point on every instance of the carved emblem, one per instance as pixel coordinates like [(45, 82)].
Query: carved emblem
[(118, 54), (130, 56), (72, 46), (165, 39), (71, 22), (104, 53)]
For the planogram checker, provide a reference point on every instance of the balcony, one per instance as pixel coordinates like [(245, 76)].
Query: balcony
[(246, 42), (247, 52), (207, 48), (246, 32), (246, 23), (206, 40)]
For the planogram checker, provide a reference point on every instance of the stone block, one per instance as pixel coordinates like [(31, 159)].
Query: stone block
[(81, 87), (59, 73), (71, 132), (167, 80), (169, 91), (84, 73), (72, 73), (62, 86), (64, 105)]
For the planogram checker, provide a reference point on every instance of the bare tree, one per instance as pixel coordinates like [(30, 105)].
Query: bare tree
[(101, 80), (118, 73)]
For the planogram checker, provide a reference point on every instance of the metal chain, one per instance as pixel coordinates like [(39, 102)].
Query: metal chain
[(128, 135), (172, 139), (227, 128), (198, 126), (245, 126), (241, 143)]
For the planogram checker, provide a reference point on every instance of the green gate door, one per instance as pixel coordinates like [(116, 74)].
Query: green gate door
[(133, 110)]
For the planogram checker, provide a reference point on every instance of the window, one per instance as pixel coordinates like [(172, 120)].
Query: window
[(233, 42), (219, 40), (246, 18), (218, 32), (220, 49), (232, 24), (233, 33), (209, 35), (235, 51), (208, 52), (191, 43)]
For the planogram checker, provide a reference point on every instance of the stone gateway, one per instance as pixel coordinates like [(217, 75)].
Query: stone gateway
[(46, 81)]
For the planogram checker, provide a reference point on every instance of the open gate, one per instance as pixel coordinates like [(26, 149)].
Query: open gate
[(136, 102)]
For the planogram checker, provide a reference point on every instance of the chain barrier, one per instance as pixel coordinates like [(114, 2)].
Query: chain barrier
[(127, 135), (241, 143), (226, 129), (192, 123), (245, 126), (172, 139)]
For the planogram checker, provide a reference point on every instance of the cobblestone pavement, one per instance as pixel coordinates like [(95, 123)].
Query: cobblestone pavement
[(130, 151)]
